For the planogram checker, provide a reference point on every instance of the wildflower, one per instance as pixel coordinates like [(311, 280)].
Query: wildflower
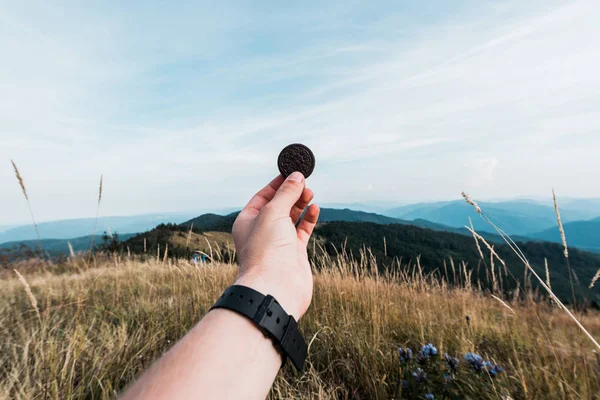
[(427, 352), (405, 354), (475, 360), (419, 375), (429, 396), (452, 362), (492, 368), (447, 378)]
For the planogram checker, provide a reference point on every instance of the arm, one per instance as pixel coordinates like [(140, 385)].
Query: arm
[(226, 356)]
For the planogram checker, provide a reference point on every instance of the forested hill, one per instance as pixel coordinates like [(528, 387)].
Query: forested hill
[(408, 242), (224, 223), (212, 222)]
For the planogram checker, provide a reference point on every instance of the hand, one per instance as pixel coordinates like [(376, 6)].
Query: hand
[(271, 250)]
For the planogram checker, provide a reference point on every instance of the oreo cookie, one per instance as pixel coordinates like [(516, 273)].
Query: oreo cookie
[(296, 157)]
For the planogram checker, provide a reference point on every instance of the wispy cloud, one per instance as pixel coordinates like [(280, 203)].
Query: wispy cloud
[(183, 107)]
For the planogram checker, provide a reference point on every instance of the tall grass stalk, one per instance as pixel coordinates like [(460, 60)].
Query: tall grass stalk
[(29, 293), (563, 238), (494, 284), (547, 273), (166, 253), (594, 279), (71, 252), (24, 190), (504, 304), (476, 240), (97, 214), (489, 247), (523, 259), (189, 236)]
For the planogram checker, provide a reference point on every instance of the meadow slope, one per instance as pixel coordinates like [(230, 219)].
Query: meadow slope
[(86, 331)]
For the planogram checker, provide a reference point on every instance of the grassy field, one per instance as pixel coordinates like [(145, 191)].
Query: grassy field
[(86, 331)]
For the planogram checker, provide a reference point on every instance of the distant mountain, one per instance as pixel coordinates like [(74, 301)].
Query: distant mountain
[(514, 217), (224, 223), (581, 234), (511, 216), (4, 228), (72, 228), (589, 206), (332, 214), (61, 246), (204, 223), (408, 242), (212, 222), (375, 207)]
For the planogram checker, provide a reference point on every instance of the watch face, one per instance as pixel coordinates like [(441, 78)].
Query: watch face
[(296, 157)]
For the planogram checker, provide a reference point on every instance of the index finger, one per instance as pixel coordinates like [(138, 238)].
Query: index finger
[(263, 196)]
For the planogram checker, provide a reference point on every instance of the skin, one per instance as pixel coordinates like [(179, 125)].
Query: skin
[(225, 356)]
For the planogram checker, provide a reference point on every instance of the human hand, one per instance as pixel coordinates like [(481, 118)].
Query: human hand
[(271, 250)]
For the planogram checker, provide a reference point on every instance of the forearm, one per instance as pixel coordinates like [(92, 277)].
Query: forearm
[(224, 357)]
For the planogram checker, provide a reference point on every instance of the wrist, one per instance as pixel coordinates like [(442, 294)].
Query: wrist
[(271, 319), (286, 299)]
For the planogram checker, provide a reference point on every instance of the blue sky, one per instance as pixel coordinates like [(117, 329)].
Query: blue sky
[(186, 106)]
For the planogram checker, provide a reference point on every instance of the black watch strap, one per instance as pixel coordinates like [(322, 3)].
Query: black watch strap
[(271, 318)]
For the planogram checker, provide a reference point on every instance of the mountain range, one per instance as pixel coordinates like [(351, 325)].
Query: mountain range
[(72, 228), (581, 234), (514, 217), (523, 219)]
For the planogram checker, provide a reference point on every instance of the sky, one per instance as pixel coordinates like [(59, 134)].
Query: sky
[(185, 105)]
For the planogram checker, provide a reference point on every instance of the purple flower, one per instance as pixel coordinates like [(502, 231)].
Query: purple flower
[(492, 368), (475, 360), (420, 375), (427, 351), (405, 354)]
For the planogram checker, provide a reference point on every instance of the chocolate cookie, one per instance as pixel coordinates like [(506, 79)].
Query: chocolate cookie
[(296, 157)]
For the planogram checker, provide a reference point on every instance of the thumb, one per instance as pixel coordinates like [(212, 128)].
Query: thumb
[(288, 194)]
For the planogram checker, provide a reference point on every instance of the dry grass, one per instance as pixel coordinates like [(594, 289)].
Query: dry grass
[(98, 328), (594, 279), (29, 293), (563, 238), (24, 190), (97, 213), (515, 248)]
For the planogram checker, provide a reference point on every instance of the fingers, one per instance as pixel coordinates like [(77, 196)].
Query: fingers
[(288, 194), (306, 227), (263, 197), (298, 209)]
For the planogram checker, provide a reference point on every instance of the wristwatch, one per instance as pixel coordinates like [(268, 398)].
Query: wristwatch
[(270, 318)]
